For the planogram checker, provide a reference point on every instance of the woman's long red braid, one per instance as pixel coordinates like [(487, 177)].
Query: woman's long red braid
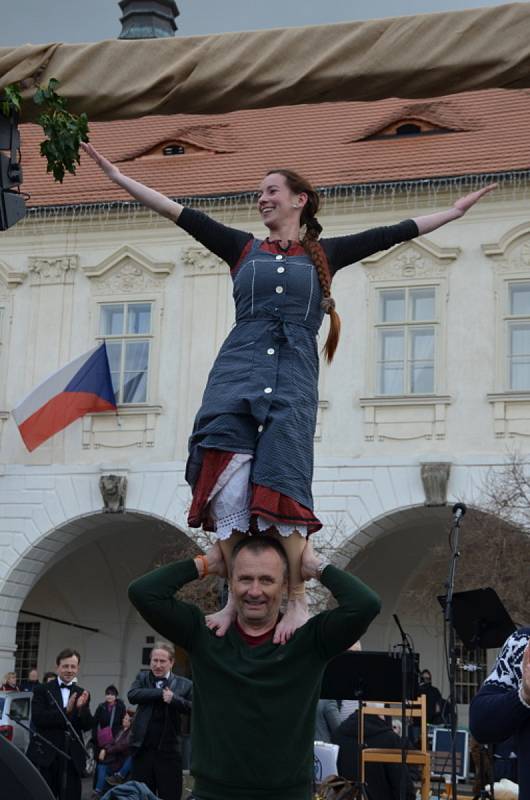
[(298, 185)]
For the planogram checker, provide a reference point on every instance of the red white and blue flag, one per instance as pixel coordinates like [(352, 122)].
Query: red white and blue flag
[(84, 386)]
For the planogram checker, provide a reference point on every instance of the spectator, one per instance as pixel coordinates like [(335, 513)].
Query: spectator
[(49, 676), (54, 704), (10, 682), (501, 708), (108, 717), (115, 761), (31, 681), (161, 697), (434, 699)]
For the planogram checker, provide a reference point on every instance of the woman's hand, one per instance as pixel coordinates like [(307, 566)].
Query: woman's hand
[(102, 755), (103, 163), (463, 204)]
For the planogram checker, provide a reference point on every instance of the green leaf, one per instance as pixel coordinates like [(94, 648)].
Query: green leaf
[(64, 131)]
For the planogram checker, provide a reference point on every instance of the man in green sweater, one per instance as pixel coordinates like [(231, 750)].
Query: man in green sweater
[(254, 702)]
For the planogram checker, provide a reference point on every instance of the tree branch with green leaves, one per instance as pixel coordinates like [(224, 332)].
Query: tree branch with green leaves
[(64, 131)]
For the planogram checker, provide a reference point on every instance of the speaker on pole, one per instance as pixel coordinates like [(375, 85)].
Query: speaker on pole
[(19, 778)]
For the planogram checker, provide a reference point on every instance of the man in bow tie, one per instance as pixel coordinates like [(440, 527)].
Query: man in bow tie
[(161, 697), (54, 705)]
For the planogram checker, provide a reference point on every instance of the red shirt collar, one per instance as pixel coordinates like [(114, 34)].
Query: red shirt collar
[(253, 641)]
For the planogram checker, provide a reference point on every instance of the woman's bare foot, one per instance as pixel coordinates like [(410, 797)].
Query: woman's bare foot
[(295, 616), (221, 620)]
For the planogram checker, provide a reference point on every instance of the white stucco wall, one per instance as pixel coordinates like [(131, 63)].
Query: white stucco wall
[(54, 273)]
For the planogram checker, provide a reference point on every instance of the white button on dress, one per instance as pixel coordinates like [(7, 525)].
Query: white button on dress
[(279, 258), (270, 351), (280, 270), (268, 390), (279, 289)]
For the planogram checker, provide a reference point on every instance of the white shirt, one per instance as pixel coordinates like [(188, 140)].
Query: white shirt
[(65, 691)]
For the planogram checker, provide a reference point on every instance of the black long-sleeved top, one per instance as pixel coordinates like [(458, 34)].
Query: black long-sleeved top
[(230, 243)]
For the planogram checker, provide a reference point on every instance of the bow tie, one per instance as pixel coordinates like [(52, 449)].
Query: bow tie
[(161, 684), (65, 685)]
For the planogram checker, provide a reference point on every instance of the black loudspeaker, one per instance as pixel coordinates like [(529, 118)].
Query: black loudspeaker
[(19, 778)]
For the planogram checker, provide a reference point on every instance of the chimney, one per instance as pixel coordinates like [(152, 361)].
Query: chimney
[(148, 19)]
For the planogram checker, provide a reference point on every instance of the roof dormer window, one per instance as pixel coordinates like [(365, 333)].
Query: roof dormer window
[(173, 150), (408, 129)]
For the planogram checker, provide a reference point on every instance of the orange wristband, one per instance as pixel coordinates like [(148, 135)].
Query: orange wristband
[(204, 562)]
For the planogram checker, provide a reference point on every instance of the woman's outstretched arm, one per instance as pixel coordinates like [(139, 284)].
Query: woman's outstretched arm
[(149, 197), (430, 222)]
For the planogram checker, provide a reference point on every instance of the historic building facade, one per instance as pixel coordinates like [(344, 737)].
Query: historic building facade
[(429, 388)]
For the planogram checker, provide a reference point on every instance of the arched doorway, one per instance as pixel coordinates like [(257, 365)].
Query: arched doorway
[(79, 598)]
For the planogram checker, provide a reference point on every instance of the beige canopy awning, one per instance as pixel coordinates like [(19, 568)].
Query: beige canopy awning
[(420, 56)]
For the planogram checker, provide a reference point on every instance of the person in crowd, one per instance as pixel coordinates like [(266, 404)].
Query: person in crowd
[(250, 463), (49, 676), (433, 698), (383, 781), (31, 681), (501, 707), (254, 700), (115, 760), (161, 697), (60, 713), (107, 719), (9, 684)]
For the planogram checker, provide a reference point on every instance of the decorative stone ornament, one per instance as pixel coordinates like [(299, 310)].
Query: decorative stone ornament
[(435, 479), (113, 490)]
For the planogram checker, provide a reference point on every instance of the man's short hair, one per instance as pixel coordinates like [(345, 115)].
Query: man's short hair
[(170, 650), (68, 652), (259, 544)]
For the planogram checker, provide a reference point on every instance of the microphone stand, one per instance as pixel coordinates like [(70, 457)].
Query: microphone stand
[(459, 509), (39, 736), (405, 646)]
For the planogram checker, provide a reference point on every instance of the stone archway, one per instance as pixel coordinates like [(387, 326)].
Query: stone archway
[(407, 563), (65, 572)]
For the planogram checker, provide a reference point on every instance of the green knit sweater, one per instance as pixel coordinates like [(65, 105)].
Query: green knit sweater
[(253, 716)]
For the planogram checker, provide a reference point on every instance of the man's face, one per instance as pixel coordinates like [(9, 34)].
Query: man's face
[(33, 675), (426, 677), (258, 583), (160, 663), (67, 669)]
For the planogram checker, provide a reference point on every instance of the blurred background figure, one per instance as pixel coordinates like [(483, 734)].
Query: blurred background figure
[(31, 681), (9, 684)]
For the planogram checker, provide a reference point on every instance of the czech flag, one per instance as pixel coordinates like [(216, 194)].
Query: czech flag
[(84, 386)]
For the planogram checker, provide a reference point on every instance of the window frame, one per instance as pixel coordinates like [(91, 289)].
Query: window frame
[(508, 321), (153, 337), (377, 325)]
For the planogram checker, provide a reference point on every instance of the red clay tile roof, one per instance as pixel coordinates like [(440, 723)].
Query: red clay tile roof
[(325, 143)]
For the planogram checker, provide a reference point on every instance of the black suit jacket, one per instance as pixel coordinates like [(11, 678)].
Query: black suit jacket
[(50, 723), (144, 693)]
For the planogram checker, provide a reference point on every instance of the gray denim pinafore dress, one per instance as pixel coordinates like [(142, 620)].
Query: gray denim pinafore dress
[(262, 392)]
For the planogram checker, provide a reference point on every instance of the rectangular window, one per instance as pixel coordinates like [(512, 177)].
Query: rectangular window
[(518, 337), (127, 330), (406, 325), (27, 655)]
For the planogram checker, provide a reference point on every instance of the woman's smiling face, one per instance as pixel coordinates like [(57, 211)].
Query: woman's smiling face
[(276, 202)]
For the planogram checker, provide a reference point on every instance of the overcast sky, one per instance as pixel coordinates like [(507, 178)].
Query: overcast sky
[(39, 21)]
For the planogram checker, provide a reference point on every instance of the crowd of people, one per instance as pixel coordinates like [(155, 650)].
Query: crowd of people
[(140, 744)]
